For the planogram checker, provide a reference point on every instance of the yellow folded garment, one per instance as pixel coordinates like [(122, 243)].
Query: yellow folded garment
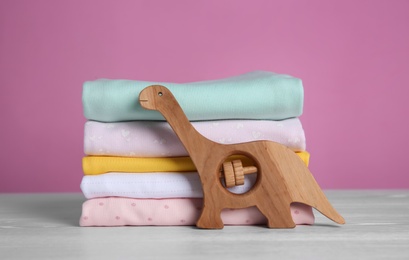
[(93, 165)]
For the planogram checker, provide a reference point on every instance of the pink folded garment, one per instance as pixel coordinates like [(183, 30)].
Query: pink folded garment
[(118, 211), (157, 139)]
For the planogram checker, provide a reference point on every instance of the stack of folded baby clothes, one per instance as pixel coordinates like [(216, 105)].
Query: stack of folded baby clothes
[(137, 171)]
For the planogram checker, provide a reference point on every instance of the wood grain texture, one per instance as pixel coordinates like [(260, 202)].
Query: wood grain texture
[(282, 177)]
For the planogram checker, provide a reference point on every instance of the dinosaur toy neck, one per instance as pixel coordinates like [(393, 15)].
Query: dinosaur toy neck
[(179, 122)]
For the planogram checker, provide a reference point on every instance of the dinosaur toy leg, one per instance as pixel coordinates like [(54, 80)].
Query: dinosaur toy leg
[(282, 219), (210, 218)]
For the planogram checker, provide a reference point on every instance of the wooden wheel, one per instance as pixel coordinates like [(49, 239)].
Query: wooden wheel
[(233, 173)]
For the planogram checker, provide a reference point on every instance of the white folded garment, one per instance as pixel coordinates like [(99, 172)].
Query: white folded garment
[(151, 185), (157, 139)]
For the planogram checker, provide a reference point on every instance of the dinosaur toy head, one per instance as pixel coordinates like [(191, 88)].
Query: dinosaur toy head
[(153, 97)]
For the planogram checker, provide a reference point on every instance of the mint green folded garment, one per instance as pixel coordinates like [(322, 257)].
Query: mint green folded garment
[(254, 95)]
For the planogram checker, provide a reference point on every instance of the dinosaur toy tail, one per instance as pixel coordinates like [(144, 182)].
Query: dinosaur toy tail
[(304, 188), (325, 208), (317, 199)]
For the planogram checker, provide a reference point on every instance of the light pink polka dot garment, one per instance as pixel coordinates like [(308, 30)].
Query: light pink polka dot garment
[(117, 211)]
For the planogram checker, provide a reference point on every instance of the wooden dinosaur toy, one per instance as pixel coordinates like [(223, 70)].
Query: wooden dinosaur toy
[(282, 177)]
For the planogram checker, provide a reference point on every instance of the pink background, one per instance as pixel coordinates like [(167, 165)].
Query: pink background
[(353, 57)]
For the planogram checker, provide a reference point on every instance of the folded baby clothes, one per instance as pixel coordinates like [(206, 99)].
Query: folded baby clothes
[(254, 95), (137, 171), (93, 165), (152, 185), (157, 139), (155, 185), (172, 212)]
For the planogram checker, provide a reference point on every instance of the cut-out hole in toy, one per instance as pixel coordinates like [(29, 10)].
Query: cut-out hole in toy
[(238, 174), (160, 94)]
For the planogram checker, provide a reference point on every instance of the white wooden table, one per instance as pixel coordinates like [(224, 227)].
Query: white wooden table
[(45, 226)]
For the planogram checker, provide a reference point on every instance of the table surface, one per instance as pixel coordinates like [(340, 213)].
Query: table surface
[(45, 226)]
